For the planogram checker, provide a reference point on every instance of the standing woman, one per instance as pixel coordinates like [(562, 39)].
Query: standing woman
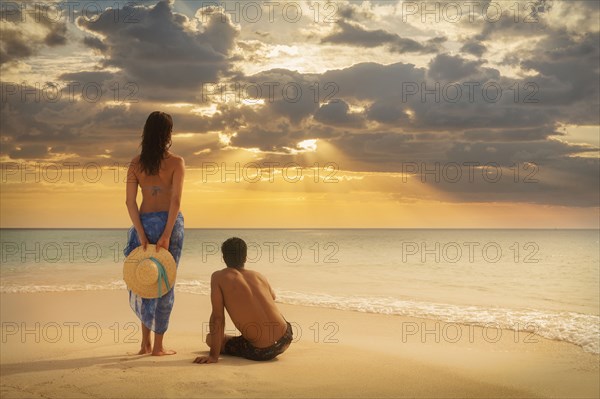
[(159, 173)]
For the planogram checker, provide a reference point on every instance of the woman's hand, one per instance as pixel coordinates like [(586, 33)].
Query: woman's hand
[(143, 240), (163, 242)]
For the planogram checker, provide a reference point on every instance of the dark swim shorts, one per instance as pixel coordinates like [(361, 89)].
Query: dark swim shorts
[(240, 346)]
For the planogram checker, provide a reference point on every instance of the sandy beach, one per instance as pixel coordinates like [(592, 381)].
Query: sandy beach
[(80, 344), (417, 181)]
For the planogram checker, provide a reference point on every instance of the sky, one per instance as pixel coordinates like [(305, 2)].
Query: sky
[(302, 114)]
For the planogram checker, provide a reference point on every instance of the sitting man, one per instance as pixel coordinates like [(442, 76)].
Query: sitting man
[(250, 302)]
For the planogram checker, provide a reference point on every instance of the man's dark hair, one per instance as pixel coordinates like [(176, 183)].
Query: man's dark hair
[(234, 252)]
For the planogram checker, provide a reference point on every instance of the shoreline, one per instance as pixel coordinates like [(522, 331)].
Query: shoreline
[(517, 325), (76, 344)]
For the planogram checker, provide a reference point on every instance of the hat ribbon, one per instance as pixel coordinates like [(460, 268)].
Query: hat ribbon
[(162, 275)]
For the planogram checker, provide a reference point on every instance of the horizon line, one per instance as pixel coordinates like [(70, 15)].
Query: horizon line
[(314, 228)]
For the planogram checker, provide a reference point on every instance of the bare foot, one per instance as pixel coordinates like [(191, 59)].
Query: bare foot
[(163, 352), (145, 350)]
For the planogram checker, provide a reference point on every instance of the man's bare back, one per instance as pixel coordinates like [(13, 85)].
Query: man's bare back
[(250, 302)]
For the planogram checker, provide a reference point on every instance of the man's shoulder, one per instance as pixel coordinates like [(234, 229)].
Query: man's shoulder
[(259, 275), (254, 273), (218, 273), (221, 274)]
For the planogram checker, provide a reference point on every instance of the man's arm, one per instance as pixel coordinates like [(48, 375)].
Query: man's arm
[(216, 322)]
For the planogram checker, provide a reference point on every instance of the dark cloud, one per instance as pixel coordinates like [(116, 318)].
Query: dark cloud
[(530, 21), (95, 43), (516, 134), (568, 63), (438, 103), (87, 77), (31, 151), (14, 46), (57, 35), (370, 80), (169, 61), (474, 47), (508, 153), (83, 129), (159, 49), (265, 140), (350, 11), (388, 113), (286, 93), (543, 172), (384, 149), (22, 36), (337, 113), (66, 125), (506, 132), (355, 35), (452, 68)]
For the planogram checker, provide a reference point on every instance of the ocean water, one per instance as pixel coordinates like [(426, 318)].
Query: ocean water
[(546, 281)]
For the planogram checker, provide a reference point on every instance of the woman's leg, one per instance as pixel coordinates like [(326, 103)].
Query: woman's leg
[(162, 314), (158, 349), (146, 341)]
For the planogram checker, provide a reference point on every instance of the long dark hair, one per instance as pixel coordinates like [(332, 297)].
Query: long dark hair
[(156, 140)]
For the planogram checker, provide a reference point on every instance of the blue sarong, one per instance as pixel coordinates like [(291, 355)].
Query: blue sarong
[(155, 312)]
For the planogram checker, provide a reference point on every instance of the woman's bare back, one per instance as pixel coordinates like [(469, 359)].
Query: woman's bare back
[(156, 189)]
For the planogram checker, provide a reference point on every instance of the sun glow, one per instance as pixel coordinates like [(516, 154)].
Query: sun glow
[(309, 145)]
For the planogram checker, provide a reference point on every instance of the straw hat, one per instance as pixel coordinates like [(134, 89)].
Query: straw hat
[(148, 273)]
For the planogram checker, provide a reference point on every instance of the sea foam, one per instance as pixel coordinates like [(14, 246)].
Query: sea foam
[(580, 329)]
